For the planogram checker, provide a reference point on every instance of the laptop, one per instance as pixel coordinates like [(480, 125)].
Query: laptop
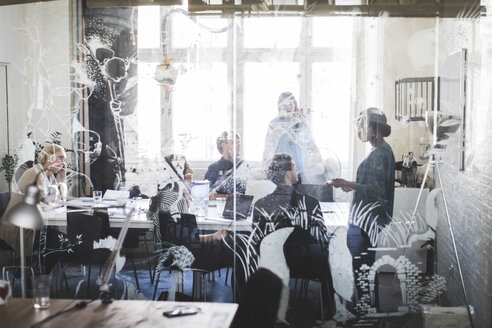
[(243, 207)]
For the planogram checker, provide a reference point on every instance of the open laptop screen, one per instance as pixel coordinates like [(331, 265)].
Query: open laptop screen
[(243, 206)]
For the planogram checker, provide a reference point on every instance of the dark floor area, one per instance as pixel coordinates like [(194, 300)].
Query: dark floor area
[(304, 305)]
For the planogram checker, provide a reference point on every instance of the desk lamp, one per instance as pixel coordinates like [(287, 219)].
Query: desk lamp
[(25, 215)]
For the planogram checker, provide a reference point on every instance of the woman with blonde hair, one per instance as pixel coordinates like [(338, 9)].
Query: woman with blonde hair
[(49, 175)]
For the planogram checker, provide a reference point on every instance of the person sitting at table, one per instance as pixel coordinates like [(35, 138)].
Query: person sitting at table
[(49, 175), (306, 249), (286, 207), (173, 195), (221, 173)]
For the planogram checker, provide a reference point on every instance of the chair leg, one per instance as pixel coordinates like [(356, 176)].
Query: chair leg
[(134, 272), (88, 287), (64, 276), (156, 284), (149, 266), (320, 284), (227, 276)]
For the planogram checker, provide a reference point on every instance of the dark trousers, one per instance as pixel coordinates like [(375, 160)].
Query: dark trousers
[(358, 243)]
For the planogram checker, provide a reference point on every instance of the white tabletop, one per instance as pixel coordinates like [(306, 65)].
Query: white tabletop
[(335, 214)]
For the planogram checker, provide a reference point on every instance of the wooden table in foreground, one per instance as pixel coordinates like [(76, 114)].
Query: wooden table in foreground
[(19, 313)]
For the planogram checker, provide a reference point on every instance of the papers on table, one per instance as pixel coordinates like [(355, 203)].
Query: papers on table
[(116, 194)]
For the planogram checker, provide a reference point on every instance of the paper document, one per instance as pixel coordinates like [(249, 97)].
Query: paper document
[(116, 194)]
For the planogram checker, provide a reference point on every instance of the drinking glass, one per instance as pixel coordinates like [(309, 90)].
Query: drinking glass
[(13, 275), (97, 196), (220, 201), (41, 291)]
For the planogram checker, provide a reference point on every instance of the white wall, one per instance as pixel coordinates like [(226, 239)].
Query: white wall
[(408, 52), (35, 45)]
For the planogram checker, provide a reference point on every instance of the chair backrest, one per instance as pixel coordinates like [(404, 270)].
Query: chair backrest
[(92, 225), (180, 231), (89, 226), (259, 302), (322, 193), (4, 201)]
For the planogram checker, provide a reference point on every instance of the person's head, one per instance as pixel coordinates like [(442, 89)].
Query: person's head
[(180, 164), (282, 170), (372, 124), (225, 145), (287, 103), (53, 158)]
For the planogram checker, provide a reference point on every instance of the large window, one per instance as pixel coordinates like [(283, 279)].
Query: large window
[(231, 73)]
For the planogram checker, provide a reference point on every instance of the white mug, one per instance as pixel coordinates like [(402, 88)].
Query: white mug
[(5, 291)]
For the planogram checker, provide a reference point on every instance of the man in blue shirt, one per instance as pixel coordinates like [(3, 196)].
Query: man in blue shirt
[(221, 173)]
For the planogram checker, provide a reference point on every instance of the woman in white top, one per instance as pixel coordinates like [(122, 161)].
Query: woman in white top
[(49, 174)]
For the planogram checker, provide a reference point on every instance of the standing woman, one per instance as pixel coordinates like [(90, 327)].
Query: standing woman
[(290, 133), (50, 176), (372, 203)]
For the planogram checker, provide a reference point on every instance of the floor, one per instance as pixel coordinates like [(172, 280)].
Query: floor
[(303, 311)]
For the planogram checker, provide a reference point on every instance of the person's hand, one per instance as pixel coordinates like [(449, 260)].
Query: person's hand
[(336, 182), (214, 196), (222, 233), (346, 186), (62, 174)]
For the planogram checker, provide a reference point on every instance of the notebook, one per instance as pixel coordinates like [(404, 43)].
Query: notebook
[(243, 207)]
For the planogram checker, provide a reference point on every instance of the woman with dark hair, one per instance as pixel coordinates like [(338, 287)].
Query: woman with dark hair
[(290, 133), (372, 203), (172, 188)]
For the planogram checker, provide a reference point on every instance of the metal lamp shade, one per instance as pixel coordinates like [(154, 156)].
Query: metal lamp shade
[(26, 214)]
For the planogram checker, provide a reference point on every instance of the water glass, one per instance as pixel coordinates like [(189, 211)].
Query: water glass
[(97, 196), (200, 207), (220, 202), (41, 291), (13, 275)]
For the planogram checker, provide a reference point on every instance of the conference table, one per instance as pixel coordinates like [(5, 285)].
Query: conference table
[(19, 313), (334, 213)]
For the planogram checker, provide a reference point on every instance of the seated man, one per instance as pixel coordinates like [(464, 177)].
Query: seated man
[(285, 207), (221, 173), (306, 249)]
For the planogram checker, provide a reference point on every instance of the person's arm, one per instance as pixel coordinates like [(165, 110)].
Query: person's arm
[(218, 235), (62, 182), (344, 184), (211, 174)]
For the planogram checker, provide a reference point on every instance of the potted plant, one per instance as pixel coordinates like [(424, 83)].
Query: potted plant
[(9, 163)]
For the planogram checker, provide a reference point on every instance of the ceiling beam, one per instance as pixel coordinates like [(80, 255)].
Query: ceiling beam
[(20, 2)]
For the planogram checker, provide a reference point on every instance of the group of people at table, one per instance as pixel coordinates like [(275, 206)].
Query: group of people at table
[(288, 153)]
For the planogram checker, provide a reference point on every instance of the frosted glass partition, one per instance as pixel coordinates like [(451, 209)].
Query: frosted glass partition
[(157, 97)]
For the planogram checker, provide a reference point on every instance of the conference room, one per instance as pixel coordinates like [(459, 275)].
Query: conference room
[(335, 152)]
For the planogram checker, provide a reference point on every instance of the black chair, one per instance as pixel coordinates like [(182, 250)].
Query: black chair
[(184, 232), (83, 228), (260, 299), (131, 242), (322, 193), (4, 201), (308, 262)]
